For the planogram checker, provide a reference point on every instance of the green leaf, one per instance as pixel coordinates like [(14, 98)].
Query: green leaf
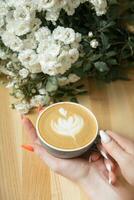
[(105, 41), (52, 84), (112, 2), (112, 62), (101, 66), (111, 54), (95, 57), (87, 66)]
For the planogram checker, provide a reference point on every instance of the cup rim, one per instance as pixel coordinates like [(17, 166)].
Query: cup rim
[(60, 149)]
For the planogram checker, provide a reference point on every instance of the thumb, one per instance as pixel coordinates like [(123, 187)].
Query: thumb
[(113, 148)]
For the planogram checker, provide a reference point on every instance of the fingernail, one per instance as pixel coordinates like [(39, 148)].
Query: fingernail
[(110, 180), (90, 159), (103, 154), (28, 147), (105, 138), (108, 166)]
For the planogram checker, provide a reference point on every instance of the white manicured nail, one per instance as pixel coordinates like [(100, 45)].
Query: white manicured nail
[(105, 138), (110, 180), (108, 166), (103, 154)]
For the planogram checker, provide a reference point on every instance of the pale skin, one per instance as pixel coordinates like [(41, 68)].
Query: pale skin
[(91, 174)]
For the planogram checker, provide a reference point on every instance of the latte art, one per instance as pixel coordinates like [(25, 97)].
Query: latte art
[(67, 126)]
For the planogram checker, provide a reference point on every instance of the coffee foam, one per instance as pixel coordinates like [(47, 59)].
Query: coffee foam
[(67, 125)]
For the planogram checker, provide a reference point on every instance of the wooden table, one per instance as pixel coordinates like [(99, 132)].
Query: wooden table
[(24, 176)]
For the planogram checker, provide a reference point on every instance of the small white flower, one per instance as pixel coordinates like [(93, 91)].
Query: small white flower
[(42, 91), (65, 35), (3, 54), (22, 107), (30, 42), (12, 41), (100, 6), (23, 73), (40, 100), (3, 8), (90, 34), (94, 43), (19, 94), (73, 78), (42, 34), (52, 15), (29, 59), (74, 55)]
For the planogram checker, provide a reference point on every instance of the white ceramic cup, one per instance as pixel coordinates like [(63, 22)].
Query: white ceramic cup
[(66, 153)]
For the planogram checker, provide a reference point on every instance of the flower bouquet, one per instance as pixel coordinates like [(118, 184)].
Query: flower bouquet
[(47, 46)]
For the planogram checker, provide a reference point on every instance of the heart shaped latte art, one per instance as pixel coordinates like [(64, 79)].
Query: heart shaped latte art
[(68, 126)]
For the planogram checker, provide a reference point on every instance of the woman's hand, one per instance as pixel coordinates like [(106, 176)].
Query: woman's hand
[(121, 150), (89, 173)]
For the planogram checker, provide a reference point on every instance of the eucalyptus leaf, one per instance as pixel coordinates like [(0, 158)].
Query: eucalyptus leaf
[(52, 84), (101, 66)]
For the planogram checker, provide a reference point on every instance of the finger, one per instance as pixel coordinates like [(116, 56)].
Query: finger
[(101, 168), (124, 142), (65, 167), (113, 148), (110, 165), (50, 160), (102, 151), (112, 178), (30, 129), (94, 157)]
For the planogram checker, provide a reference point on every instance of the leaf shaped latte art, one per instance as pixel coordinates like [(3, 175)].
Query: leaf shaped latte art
[(68, 127)]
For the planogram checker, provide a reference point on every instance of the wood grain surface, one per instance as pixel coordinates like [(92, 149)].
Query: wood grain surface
[(24, 176)]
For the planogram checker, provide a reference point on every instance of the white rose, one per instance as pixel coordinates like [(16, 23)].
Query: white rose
[(22, 107), (29, 59), (100, 6), (94, 43), (65, 35), (42, 34), (29, 42), (52, 15), (3, 54), (22, 14), (73, 78), (18, 27), (48, 64), (3, 8), (53, 49), (65, 61), (90, 34), (78, 37), (12, 41), (74, 55), (23, 73)]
